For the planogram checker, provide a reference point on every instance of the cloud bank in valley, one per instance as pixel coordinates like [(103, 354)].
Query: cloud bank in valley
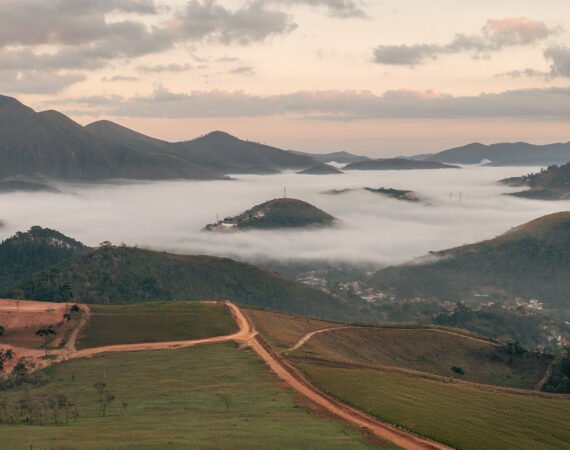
[(170, 215)]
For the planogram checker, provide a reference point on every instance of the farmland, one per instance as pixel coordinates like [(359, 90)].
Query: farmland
[(178, 399), (428, 350), (460, 416), (155, 322), (284, 330)]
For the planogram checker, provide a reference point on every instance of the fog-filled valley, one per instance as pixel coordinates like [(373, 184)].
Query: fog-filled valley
[(456, 207)]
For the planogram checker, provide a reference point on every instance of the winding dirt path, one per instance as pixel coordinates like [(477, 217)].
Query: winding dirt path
[(308, 336), (242, 336)]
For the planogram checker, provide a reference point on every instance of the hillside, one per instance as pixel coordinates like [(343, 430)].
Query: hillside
[(123, 275), (550, 184), (429, 351), (39, 248), (321, 169), (277, 213), (227, 154), (397, 164), (530, 261), (49, 144), (516, 154), (213, 396)]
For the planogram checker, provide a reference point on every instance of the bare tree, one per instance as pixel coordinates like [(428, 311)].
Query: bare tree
[(48, 333), (105, 397)]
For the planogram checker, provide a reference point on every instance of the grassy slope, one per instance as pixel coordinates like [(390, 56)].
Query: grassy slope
[(284, 330), (174, 401), (427, 351), (463, 417), (155, 322), (532, 262)]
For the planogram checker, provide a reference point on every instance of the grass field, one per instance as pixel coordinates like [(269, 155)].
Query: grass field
[(283, 330), (175, 399), (155, 322), (460, 416), (428, 351)]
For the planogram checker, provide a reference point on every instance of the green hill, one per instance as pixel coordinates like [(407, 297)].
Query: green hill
[(123, 275), (531, 261), (431, 351), (39, 248), (277, 213)]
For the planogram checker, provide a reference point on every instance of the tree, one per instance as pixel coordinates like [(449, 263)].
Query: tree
[(105, 396), (48, 333), (5, 355)]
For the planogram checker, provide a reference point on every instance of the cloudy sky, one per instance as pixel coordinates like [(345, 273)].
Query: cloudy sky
[(371, 76)]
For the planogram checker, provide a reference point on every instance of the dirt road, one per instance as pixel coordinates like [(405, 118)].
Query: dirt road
[(248, 335), (308, 336)]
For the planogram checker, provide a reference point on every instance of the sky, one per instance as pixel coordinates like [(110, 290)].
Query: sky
[(377, 77), (371, 228)]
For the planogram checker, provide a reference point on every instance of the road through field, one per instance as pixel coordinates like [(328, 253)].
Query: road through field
[(308, 336), (248, 335)]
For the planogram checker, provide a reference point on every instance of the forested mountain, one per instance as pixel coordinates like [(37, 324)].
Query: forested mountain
[(277, 213), (531, 261), (39, 248), (550, 184), (119, 275), (227, 154)]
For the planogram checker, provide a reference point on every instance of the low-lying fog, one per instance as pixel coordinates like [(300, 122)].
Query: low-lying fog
[(374, 228)]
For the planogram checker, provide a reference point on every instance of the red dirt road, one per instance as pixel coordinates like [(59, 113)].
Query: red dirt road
[(248, 335)]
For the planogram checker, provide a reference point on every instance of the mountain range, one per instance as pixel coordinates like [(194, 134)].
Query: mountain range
[(50, 145), (503, 154), (397, 164)]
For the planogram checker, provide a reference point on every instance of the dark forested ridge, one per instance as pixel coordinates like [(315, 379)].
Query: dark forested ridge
[(32, 251), (531, 261), (120, 275), (552, 183)]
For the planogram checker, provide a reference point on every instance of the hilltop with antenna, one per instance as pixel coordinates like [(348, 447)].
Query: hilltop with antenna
[(278, 213)]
